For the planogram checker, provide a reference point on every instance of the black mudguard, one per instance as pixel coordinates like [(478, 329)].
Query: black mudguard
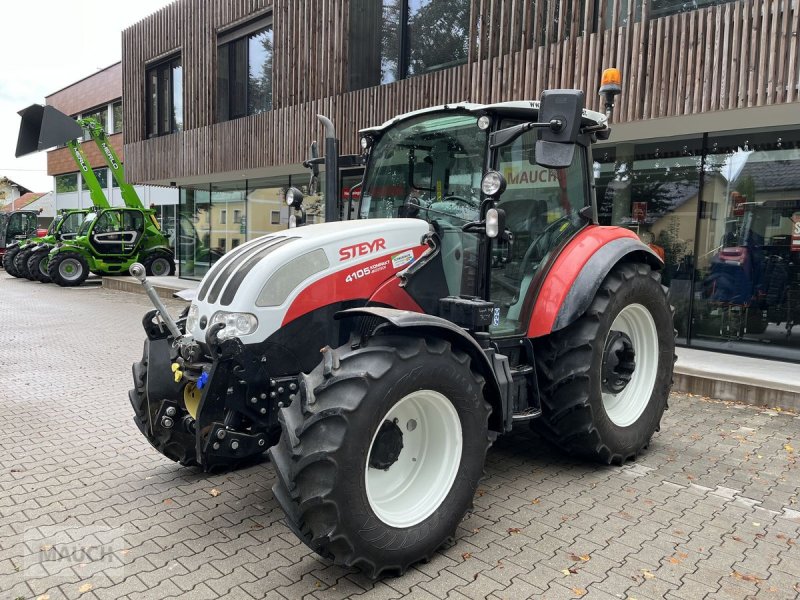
[(432, 325)]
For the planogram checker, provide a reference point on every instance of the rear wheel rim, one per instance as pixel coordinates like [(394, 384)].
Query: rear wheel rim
[(159, 267), (414, 486), (70, 269), (625, 407), (43, 267)]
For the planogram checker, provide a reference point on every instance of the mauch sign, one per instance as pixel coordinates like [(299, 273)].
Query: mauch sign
[(533, 176), (796, 232)]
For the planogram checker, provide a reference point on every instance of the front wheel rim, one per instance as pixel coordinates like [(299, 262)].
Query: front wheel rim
[(43, 267), (70, 269), (421, 476), (625, 407)]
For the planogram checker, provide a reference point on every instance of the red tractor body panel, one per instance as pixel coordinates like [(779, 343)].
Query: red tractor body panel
[(372, 280), (564, 272)]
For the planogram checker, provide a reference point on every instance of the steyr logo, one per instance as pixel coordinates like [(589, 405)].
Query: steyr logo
[(361, 249)]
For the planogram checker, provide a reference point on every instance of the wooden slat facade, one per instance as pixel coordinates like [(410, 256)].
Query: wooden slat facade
[(734, 55)]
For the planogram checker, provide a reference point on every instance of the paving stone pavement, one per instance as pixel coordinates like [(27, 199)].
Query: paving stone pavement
[(89, 510)]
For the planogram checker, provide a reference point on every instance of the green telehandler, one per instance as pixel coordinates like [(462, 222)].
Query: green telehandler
[(110, 239), (26, 258)]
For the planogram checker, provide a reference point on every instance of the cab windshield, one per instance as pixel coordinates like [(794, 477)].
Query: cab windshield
[(429, 167), (87, 223), (54, 224)]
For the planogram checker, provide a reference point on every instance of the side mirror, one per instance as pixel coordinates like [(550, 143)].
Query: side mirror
[(555, 147)]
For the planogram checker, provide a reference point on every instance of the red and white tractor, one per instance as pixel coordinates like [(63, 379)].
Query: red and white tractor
[(376, 359)]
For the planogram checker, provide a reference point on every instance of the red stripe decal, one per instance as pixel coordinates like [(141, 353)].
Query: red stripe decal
[(565, 271), (359, 281)]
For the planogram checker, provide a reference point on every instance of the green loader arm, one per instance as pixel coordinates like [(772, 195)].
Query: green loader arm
[(129, 195), (95, 190)]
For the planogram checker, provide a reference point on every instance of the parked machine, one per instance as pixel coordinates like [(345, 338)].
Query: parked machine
[(474, 291), (27, 258), (110, 239), (15, 226)]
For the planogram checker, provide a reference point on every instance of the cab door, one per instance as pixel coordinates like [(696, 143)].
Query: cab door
[(541, 207), (117, 232)]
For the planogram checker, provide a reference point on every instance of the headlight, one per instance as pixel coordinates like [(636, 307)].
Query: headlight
[(191, 318), (236, 324)]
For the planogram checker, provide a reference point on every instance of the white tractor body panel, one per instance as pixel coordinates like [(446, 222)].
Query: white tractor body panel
[(236, 281)]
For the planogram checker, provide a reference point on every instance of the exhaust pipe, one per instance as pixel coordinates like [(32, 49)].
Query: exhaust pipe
[(331, 170)]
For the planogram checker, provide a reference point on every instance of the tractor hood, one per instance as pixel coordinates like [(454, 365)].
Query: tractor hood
[(279, 277)]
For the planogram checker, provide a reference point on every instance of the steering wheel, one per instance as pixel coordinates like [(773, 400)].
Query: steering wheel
[(534, 252), (458, 199)]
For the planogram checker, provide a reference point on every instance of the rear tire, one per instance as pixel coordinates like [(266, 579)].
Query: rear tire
[(37, 267), (8, 261), (68, 269), (349, 478), (159, 263), (581, 414)]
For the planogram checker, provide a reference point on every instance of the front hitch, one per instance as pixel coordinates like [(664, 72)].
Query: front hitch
[(138, 271)]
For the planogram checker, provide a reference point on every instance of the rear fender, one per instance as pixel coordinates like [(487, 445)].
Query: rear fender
[(576, 275), (424, 324)]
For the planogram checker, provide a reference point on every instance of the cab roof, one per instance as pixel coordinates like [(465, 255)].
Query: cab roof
[(525, 109)]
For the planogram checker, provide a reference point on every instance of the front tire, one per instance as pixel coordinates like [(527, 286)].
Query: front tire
[(68, 269), (605, 379), (21, 263), (381, 452), (37, 267), (8, 261)]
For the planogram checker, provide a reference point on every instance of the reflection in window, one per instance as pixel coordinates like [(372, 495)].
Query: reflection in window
[(748, 268), (663, 8), (66, 183), (101, 116), (116, 110), (244, 76), (102, 178), (395, 39), (164, 97), (652, 189)]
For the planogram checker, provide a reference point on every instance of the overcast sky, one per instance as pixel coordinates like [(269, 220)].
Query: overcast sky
[(44, 46)]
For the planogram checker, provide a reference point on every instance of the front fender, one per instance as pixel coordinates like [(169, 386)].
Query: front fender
[(426, 324)]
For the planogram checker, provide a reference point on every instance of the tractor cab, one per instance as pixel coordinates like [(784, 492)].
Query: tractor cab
[(17, 225), (431, 164)]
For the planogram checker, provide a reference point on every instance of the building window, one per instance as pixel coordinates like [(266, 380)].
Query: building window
[(395, 39), (221, 244), (100, 115), (244, 75), (237, 216), (275, 217), (663, 8), (164, 93), (102, 179), (66, 183), (234, 243), (223, 217), (116, 115)]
